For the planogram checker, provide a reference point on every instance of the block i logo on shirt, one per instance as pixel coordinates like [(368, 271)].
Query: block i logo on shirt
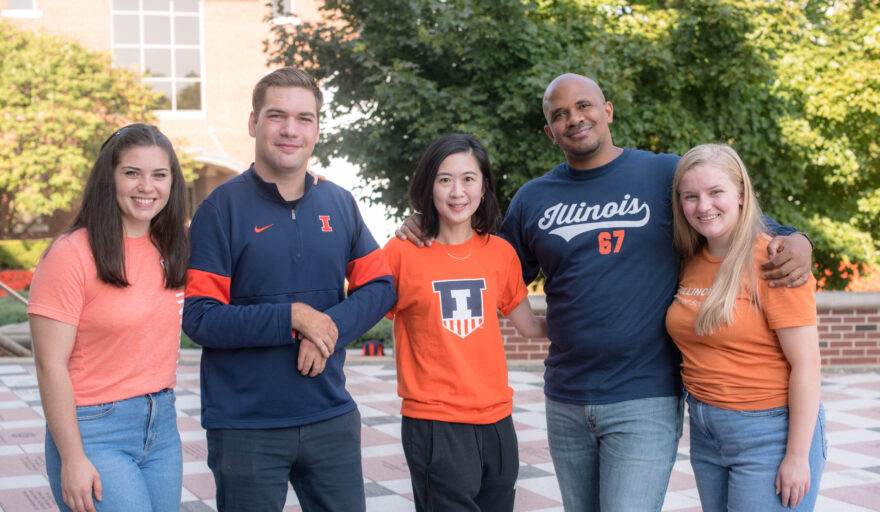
[(461, 304)]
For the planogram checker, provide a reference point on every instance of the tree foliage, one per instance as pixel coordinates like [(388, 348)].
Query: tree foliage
[(793, 86), (58, 103)]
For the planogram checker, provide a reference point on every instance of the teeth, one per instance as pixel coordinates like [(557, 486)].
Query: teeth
[(144, 202)]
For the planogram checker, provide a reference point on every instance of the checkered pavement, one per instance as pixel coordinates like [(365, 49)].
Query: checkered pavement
[(851, 482)]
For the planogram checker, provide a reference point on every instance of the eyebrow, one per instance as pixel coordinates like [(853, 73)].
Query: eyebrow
[(448, 173), (136, 168), (275, 110)]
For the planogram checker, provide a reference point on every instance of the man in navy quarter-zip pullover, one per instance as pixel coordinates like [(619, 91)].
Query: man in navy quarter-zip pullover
[(265, 298)]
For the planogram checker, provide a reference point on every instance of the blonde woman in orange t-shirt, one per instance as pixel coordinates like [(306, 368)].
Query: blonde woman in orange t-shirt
[(750, 353), (104, 311), (457, 431)]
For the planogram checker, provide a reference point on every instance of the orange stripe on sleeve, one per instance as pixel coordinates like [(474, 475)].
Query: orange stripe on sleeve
[(366, 268), (205, 284)]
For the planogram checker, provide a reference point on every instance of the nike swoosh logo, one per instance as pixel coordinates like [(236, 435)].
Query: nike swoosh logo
[(264, 228)]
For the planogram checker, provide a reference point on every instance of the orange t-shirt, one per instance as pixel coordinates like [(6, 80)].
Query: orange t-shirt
[(450, 356), (739, 366), (127, 339)]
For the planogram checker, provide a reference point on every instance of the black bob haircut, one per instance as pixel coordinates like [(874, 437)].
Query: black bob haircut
[(487, 218)]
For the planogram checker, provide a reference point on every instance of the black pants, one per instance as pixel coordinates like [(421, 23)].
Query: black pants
[(461, 466)]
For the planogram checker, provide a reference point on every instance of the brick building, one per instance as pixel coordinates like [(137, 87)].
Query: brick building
[(204, 55)]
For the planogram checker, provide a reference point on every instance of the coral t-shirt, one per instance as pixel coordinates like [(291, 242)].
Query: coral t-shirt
[(739, 366), (127, 339), (451, 364)]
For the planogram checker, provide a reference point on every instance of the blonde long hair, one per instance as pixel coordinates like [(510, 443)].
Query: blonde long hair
[(737, 270)]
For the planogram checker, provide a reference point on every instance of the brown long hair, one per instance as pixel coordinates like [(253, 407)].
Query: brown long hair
[(101, 218)]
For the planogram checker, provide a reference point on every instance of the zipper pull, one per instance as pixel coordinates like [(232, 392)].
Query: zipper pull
[(293, 214)]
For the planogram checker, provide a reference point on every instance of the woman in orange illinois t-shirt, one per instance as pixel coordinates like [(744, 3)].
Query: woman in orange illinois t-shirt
[(457, 431), (104, 310), (750, 353)]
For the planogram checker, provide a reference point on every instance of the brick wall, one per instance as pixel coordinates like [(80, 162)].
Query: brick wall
[(849, 331), (848, 328)]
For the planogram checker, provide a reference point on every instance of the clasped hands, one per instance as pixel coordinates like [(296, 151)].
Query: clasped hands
[(317, 333)]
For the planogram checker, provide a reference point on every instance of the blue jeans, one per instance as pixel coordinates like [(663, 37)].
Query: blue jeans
[(135, 446), (614, 457), (322, 460), (736, 454)]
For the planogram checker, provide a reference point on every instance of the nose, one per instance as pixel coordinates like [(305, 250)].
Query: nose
[(287, 127), (145, 183), (576, 117), (703, 203), (457, 189)]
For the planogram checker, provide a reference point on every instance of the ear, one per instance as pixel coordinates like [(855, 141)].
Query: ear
[(609, 112), (549, 133), (252, 125)]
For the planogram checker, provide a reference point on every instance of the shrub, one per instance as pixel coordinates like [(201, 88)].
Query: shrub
[(18, 280), (22, 254), (382, 331), (12, 311)]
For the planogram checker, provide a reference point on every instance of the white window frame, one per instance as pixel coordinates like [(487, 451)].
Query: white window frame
[(32, 13), (280, 18), (141, 47)]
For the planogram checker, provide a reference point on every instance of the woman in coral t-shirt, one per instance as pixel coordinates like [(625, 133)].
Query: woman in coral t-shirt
[(457, 431), (104, 310), (750, 353)]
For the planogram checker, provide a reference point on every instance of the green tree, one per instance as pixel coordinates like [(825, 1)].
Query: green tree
[(58, 103), (791, 85)]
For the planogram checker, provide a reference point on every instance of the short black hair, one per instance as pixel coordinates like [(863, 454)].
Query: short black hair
[(487, 218)]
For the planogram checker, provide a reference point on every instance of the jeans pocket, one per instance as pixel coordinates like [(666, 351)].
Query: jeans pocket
[(764, 413), (93, 412)]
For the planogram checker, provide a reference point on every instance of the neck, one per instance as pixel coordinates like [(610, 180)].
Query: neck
[(454, 235), (135, 231), (291, 185), (718, 248), (593, 160)]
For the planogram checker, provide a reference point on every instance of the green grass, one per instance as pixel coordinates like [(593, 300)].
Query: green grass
[(12, 311)]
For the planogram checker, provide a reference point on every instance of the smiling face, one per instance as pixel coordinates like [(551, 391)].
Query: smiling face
[(286, 130), (143, 182), (577, 121), (458, 190), (711, 201)]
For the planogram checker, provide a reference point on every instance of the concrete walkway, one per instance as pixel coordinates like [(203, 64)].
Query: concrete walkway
[(851, 482)]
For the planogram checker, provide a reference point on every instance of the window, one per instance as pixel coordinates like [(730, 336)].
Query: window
[(162, 39), (283, 12), (21, 9), (23, 5)]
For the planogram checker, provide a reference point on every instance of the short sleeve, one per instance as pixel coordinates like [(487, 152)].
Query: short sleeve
[(789, 307), (58, 288)]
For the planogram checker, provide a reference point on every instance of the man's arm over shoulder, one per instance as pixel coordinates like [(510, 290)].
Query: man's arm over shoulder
[(789, 255), (208, 317)]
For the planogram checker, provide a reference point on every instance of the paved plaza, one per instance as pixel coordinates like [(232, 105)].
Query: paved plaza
[(851, 482)]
